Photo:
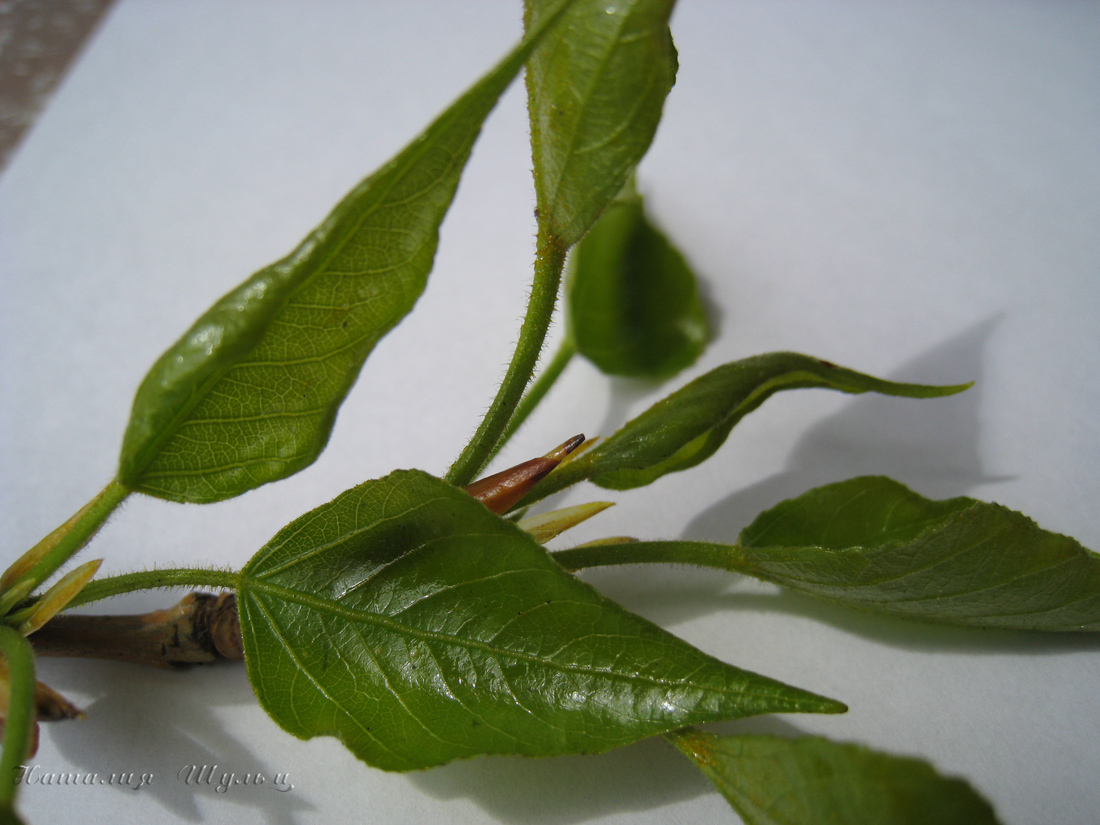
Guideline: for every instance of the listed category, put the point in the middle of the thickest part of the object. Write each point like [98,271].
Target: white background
[909,189]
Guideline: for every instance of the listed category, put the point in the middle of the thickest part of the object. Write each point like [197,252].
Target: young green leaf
[687,427]
[406,619]
[633,308]
[596,87]
[872,542]
[770,780]
[250,393]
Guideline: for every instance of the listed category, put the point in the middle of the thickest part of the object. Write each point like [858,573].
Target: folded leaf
[250,393]
[631,297]
[18,726]
[596,86]
[406,619]
[770,780]
[687,427]
[872,542]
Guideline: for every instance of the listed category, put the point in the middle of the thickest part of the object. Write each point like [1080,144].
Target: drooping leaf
[596,86]
[406,619]
[872,542]
[250,393]
[633,307]
[770,780]
[687,427]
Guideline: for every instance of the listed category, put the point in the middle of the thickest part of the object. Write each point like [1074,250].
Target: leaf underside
[633,307]
[771,780]
[871,542]
[596,87]
[250,393]
[406,619]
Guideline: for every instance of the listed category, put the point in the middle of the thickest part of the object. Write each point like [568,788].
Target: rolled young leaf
[687,427]
[770,780]
[871,542]
[596,86]
[633,308]
[406,619]
[250,393]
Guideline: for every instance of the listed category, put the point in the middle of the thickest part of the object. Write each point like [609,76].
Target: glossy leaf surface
[406,619]
[250,393]
[596,87]
[872,542]
[770,780]
[631,297]
[687,427]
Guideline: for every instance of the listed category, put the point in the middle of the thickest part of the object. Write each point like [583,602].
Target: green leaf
[18,722]
[406,619]
[596,87]
[249,394]
[770,780]
[873,543]
[687,427]
[631,297]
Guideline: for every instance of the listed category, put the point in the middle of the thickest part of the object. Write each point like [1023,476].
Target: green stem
[44,559]
[149,579]
[549,261]
[698,553]
[21,714]
[537,391]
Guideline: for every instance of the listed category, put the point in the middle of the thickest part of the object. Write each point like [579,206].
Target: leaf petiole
[538,390]
[151,579]
[549,262]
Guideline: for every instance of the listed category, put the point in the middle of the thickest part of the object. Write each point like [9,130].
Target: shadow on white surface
[160,722]
[931,445]
[569,789]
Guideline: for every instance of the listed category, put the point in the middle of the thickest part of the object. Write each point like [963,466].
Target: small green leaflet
[596,87]
[250,393]
[406,619]
[872,542]
[633,308]
[770,780]
[687,427]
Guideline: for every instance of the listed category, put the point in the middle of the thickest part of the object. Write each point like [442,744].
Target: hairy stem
[549,261]
[43,560]
[149,579]
[20,716]
[537,391]
[698,553]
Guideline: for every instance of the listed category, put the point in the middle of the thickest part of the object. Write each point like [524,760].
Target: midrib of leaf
[584,100]
[386,623]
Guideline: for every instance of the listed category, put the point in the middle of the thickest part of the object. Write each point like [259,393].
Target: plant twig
[549,261]
[537,391]
[201,628]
